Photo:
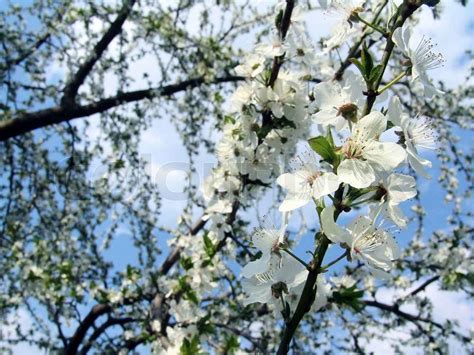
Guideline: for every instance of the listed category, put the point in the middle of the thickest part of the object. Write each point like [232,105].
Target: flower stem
[395,80]
[302,262]
[325,267]
[371,25]
[360,202]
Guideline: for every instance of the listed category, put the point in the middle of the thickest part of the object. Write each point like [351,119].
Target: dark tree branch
[81,331]
[27,122]
[25,54]
[420,288]
[310,288]
[72,86]
[282,31]
[395,309]
[100,330]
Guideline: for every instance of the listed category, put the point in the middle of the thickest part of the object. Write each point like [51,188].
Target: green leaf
[231,344]
[330,138]
[375,73]
[186,263]
[229,119]
[204,326]
[358,64]
[278,19]
[190,347]
[324,148]
[350,297]
[367,60]
[188,293]
[209,247]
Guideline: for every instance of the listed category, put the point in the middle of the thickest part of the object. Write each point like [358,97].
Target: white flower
[345,10]
[344,281]
[279,281]
[365,155]
[338,104]
[422,58]
[306,183]
[323,291]
[253,65]
[241,97]
[301,50]
[397,188]
[373,246]
[268,241]
[275,49]
[416,133]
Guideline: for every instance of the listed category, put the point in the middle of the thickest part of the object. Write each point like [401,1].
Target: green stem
[325,267]
[310,287]
[371,25]
[404,11]
[360,202]
[395,80]
[302,262]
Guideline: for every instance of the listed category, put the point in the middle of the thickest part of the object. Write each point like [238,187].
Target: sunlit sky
[453,33]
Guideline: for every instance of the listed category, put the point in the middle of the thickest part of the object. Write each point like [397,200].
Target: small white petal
[255,267]
[357,173]
[394,112]
[294,201]
[291,182]
[325,184]
[387,155]
[334,232]
[370,126]
[401,187]
[394,213]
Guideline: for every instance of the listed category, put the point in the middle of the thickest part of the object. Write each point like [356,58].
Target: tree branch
[412,318]
[98,332]
[25,54]
[29,121]
[81,331]
[72,87]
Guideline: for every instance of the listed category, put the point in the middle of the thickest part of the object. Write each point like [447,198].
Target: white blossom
[337,105]
[253,65]
[396,188]
[269,242]
[421,58]
[307,182]
[270,286]
[274,49]
[416,133]
[365,156]
[373,246]
[345,11]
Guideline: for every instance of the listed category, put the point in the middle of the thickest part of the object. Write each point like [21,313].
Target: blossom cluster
[361,157]
[356,161]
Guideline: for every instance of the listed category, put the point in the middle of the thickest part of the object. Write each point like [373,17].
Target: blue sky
[163,149]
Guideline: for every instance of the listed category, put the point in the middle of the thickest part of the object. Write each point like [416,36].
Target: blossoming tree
[337,132]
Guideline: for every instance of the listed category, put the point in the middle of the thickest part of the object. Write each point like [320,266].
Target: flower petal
[291,182]
[294,201]
[256,267]
[400,187]
[395,113]
[357,173]
[334,232]
[395,214]
[370,127]
[325,184]
[387,155]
